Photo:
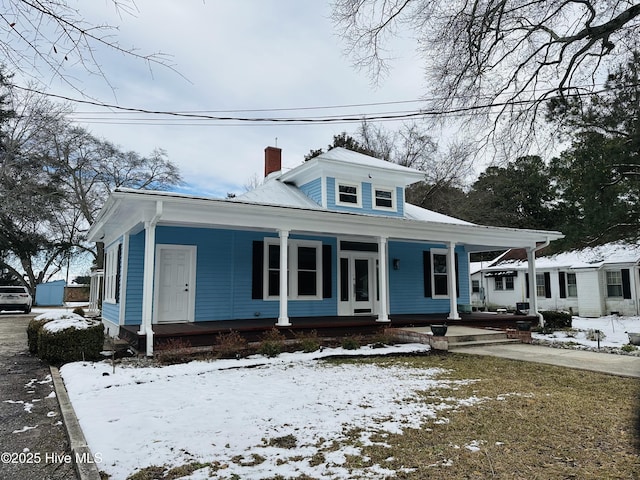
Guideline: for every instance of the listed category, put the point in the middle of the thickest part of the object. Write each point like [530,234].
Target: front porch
[201,334]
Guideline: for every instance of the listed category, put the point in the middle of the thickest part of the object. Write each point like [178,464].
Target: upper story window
[348,194]
[383,198]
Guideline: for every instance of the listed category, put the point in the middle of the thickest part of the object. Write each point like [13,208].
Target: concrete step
[481,343]
[485,337]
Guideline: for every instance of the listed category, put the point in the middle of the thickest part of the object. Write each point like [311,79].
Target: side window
[383,198]
[112,273]
[499,285]
[348,194]
[440,274]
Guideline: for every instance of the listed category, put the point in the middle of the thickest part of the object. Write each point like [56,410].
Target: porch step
[486,338]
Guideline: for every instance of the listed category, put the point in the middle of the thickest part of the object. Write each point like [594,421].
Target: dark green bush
[308,341]
[351,343]
[272,343]
[554,320]
[32,333]
[79,311]
[71,344]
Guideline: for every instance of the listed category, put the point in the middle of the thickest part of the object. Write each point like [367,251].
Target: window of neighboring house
[508,283]
[614,284]
[440,273]
[499,285]
[475,286]
[112,274]
[572,285]
[540,285]
[304,276]
[383,198]
[348,194]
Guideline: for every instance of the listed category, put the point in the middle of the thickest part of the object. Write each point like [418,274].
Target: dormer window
[383,199]
[348,194]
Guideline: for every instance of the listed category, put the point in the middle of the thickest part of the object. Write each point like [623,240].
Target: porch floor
[205,333]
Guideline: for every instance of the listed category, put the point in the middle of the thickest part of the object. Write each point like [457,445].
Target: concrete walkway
[622,365]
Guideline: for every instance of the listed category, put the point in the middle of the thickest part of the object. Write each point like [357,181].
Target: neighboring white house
[590,282]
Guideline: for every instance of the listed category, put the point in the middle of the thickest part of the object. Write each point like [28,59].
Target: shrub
[628,348]
[308,341]
[230,345]
[33,329]
[554,320]
[593,334]
[272,343]
[70,339]
[174,350]
[351,343]
[79,311]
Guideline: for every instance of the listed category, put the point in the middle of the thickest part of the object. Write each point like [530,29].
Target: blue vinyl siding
[223,275]
[313,190]
[111,312]
[406,285]
[135,275]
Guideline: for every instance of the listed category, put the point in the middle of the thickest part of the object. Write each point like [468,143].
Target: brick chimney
[272,160]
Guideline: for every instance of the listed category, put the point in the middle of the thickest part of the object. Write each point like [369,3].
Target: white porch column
[453,294]
[383,262]
[148,276]
[283,319]
[147,283]
[533,285]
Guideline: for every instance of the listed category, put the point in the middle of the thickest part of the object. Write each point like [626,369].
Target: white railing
[95,292]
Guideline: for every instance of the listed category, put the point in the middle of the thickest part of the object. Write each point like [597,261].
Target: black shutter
[457,277]
[526,279]
[626,284]
[563,284]
[257,278]
[426,265]
[118,273]
[547,285]
[327,271]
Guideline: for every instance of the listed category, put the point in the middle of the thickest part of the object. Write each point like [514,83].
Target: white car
[15,298]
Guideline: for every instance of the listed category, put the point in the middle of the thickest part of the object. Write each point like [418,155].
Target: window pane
[440,285]
[274,283]
[348,193]
[499,285]
[307,283]
[475,286]
[508,283]
[572,285]
[440,264]
[306,258]
[384,198]
[614,284]
[274,256]
[344,279]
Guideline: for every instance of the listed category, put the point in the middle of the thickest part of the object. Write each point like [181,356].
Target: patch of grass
[537,422]
[152,472]
[286,441]
[155,472]
[252,461]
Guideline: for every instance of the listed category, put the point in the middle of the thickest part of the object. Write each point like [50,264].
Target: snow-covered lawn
[582,334]
[257,417]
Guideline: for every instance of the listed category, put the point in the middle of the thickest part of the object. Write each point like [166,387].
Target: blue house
[338,225]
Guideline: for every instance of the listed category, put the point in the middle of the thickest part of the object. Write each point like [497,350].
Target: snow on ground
[254,417]
[613,327]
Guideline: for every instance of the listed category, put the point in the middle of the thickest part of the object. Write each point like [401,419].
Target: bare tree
[497,61]
[47,39]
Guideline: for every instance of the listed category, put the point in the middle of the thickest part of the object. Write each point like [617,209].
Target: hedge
[70,339]
[554,320]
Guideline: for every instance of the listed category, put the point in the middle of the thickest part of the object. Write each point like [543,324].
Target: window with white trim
[304,272]
[614,283]
[541,290]
[383,198]
[440,269]
[499,285]
[572,285]
[112,273]
[348,194]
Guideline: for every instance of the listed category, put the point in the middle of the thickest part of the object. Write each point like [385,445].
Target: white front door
[175,283]
[358,288]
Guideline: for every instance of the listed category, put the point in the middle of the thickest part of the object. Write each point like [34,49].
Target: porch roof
[127,211]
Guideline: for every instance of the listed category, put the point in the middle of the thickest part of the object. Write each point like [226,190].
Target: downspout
[532,281]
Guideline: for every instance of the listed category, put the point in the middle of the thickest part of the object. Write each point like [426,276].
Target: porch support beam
[383,261]
[533,284]
[283,319]
[453,294]
[147,278]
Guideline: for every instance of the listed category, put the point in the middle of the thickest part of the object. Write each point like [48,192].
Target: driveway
[33,441]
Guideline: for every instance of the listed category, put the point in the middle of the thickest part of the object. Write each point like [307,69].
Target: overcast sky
[233,55]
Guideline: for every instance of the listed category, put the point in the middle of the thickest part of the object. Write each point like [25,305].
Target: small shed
[50,294]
